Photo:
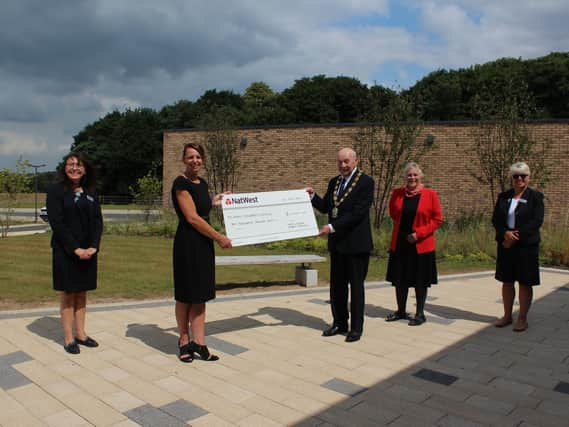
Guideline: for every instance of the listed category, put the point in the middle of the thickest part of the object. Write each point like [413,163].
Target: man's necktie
[342,185]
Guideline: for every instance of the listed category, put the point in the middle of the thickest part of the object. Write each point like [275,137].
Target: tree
[148,193]
[12,183]
[221,142]
[502,137]
[125,146]
[385,143]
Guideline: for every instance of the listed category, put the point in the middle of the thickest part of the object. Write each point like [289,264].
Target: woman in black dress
[416,214]
[75,218]
[194,257]
[517,217]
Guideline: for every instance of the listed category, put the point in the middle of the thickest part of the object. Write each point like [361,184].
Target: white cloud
[78,62]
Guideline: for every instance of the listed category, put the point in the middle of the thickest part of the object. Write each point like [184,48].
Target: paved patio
[277,369]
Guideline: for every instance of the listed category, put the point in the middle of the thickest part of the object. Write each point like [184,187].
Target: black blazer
[352,231]
[529,216]
[73,226]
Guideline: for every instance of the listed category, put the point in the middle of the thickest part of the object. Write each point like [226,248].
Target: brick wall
[280,158]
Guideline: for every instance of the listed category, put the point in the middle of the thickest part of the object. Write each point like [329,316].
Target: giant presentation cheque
[267,217]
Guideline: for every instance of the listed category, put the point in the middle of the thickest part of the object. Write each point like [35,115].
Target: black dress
[194,256]
[406,267]
[76,222]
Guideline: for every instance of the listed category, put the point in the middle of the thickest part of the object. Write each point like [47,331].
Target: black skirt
[407,268]
[70,274]
[518,264]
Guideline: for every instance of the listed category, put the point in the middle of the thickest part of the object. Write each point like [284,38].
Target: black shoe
[72,348]
[417,320]
[334,330]
[203,352]
[397,316]
[87,342]
[186,354]
[353,336]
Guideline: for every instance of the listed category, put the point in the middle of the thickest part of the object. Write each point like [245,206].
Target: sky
[67,63]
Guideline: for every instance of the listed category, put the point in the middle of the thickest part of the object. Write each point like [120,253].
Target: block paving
[276,369]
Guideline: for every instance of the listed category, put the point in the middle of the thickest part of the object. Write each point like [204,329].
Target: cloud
[65,64]
[13,143]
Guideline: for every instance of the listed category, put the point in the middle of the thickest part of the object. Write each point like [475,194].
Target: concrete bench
[304,273]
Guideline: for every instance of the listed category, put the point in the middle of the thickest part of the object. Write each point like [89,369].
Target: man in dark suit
[347,202]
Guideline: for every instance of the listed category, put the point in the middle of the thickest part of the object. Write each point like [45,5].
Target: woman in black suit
[75,218]
[517,217]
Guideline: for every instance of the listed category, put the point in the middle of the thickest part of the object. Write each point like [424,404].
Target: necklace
[347,192]
[195,180]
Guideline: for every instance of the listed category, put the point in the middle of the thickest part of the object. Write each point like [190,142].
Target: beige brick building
[289,157]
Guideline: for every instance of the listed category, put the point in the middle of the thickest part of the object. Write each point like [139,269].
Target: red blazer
[428,218]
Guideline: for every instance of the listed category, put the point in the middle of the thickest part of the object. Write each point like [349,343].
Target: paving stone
[149,416]
[463,410]
[372,411]
[122,401]
[454,421]
[257,420]
[512,386]
[318,301]
[562,387]
[211,420]
[344,387]
[494,405]
[533,417]
[406,393]
[13,358]
[65,418]
[184,410]
[435,376]
[10,378]
[225,346]
[342,418]
[37,401]
[557,408]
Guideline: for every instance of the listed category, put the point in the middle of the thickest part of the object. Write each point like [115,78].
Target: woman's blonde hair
[412,165]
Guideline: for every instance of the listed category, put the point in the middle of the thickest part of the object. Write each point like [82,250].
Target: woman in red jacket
[416,214]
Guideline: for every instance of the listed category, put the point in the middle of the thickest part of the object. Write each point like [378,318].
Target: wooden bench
[304,273]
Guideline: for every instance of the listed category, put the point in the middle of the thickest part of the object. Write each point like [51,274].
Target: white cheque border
[252,218]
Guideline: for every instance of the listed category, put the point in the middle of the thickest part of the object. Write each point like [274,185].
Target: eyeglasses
[74,165]
[518,176]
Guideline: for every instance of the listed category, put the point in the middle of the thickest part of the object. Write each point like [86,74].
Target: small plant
[12,182]
[147,193]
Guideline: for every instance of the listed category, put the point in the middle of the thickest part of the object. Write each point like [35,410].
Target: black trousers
[348,270]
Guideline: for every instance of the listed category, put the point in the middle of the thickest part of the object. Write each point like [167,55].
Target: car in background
[43,213]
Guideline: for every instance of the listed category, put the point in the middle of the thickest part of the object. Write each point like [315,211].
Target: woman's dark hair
[88,181]
[198,147]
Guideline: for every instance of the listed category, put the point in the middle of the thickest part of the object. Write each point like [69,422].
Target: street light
[36,167]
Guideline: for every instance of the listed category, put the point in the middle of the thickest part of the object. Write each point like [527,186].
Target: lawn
[137,267]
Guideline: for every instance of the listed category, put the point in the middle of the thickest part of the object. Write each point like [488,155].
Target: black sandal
[396,316]
[203,352]
[186,355]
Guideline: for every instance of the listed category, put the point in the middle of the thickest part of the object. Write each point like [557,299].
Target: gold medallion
[334,212]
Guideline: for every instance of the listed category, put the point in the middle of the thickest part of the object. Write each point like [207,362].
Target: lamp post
[36,167]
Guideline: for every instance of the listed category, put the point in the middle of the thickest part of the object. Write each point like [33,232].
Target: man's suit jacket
[529,216]
[352,230]
[427,219]
[73,228]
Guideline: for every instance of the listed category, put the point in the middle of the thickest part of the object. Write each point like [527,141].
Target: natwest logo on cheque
[241,200]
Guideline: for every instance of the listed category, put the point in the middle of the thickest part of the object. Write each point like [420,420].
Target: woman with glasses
[517,217]
[75,218]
